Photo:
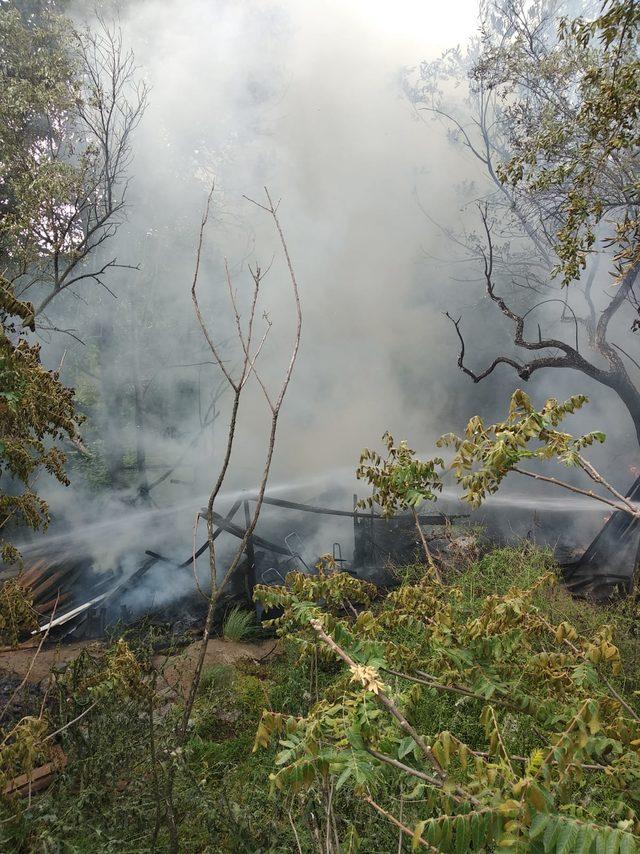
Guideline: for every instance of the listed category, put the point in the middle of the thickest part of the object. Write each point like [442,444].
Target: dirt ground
[21,661]
[177,669]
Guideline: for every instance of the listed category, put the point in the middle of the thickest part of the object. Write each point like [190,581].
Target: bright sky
[431,23]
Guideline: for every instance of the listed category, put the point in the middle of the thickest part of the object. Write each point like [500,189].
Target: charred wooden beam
[188,561]
[433,519]
[239,532]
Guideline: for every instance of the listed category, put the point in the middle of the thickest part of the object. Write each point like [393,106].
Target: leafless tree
[236,380]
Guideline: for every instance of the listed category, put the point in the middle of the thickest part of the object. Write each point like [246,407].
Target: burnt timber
[373,538]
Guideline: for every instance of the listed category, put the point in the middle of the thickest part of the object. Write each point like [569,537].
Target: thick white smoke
[304,97]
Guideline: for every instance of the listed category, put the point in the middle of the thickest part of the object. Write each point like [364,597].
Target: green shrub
[479,707]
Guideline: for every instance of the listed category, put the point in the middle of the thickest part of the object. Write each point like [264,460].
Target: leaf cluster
[399,481]
[575,787]
[36,412]
[574,109]
[486,454]
[17,614]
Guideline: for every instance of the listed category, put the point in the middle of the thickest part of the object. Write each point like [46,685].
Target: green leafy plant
[586,155]
[36,412]
[400,482]
[16,612]
[559,769]
[486,454]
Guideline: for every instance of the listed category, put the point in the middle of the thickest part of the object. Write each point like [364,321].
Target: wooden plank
[39,778]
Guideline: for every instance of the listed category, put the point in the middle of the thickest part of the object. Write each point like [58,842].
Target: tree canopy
[551,114]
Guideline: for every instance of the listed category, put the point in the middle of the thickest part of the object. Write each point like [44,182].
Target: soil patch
[19,660]
[178,670]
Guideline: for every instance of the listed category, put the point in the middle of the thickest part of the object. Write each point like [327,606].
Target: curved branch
[565,305]
[499,360]
[523,369]
[571,357]
[624,288]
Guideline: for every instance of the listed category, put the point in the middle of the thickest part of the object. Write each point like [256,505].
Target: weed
[238,625]
[214,677]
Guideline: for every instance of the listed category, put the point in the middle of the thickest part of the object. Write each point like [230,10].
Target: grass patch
[239,625]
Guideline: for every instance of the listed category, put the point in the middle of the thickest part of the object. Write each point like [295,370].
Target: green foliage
[36,411]
[533,684]
[68,105]
[16,612]
[214,677]
[399,481]
[575,130]
[39,93]
[487,453]
[478,636]
[39,90]
[23,748]
[239,625]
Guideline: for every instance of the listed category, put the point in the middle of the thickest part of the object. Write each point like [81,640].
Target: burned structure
[609,564]
[74,601]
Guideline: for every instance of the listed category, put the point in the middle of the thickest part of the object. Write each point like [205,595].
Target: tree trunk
[630,396]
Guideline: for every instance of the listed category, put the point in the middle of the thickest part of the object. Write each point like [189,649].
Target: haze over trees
[281,702]
[552,118]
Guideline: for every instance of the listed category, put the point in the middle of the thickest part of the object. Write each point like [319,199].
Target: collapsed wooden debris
[69,615]
[608,564]
[50,581]
[40,778]
[53,582]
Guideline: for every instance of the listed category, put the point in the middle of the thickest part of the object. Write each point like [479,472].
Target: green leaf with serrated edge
[462,827]
[584,842]
[628,844]
[477,831]
[433,832]
[566,839]
[406,746]
[612,843]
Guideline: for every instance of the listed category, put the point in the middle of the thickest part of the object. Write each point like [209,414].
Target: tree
[69,103]
[552,116]
[236,379]
[36,410]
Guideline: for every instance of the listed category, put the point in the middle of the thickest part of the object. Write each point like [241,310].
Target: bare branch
[237,386]
[625,507]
